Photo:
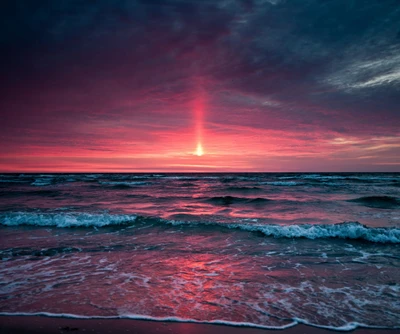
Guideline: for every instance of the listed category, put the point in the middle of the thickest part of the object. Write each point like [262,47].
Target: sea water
[267,250]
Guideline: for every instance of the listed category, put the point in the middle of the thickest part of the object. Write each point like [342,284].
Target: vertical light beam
[199,103]
[199,151]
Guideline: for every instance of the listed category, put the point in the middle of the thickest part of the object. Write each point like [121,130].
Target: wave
[343,177]
[347,230]
[350,326]
[75,219]
[41,183]
[123,184]
[51,179]
[322,177]
[381,202]
[228,200]
[282,183]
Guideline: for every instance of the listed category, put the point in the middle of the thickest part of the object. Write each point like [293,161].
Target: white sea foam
[281,183]
[344,231]
[148,317]
[42,182]
[350,230]
[75,219]
[323,177]
[294,321]
[124,183]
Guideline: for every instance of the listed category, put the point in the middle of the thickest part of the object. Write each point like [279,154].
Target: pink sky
[113,88]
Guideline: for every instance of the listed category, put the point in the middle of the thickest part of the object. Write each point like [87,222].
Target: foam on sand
[293,322]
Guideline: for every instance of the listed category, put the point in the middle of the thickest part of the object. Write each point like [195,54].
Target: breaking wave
[76,219]
[350,230]
[347,230]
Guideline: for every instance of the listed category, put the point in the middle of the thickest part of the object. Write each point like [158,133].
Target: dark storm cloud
[322,55]
[143,46]
[263,47]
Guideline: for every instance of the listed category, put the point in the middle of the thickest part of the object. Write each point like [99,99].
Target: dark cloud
[296,65]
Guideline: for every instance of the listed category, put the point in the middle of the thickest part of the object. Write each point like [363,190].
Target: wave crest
[347,230]
[75,219]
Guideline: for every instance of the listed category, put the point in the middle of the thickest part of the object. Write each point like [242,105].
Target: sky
[200,85]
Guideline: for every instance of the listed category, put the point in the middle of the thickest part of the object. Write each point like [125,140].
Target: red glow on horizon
[189,132]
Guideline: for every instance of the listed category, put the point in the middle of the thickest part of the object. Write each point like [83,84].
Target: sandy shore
[44,325]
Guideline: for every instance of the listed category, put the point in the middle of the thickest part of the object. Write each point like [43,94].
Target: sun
[199,150]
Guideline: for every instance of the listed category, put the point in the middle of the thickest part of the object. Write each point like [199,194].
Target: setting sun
[199,150]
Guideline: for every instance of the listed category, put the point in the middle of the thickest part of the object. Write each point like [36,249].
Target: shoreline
[19,324]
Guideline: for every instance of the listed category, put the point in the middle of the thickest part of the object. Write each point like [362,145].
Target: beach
[49,325]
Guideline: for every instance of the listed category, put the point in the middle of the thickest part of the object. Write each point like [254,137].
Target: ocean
[268,250]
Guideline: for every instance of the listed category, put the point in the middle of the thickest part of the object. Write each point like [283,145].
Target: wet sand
[47,325]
